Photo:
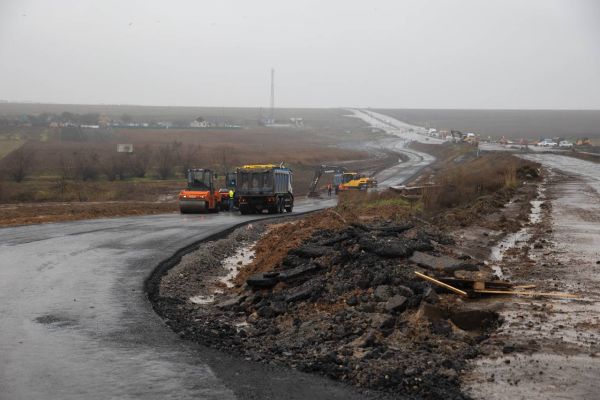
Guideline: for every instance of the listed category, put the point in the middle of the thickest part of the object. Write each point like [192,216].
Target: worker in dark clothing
[329,190]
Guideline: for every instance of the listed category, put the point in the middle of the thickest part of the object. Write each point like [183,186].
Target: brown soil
[25,214]
[281,238]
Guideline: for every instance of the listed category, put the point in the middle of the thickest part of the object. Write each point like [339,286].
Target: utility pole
[272,115]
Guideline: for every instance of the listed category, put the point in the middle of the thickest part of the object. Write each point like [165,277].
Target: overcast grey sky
[327,53]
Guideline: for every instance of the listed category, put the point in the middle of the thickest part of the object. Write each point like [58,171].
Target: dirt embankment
[36,213]
[336,293]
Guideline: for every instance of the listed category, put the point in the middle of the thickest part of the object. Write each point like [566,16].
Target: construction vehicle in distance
[583,142]
[469,137]
[356,181]
[264,187]
[201,194]
[319,172]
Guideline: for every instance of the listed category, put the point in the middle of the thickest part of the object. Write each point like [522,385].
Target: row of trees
[44,119]
[165,161]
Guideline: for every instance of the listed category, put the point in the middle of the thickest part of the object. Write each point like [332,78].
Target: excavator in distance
[319,172]
[342,180]
[201,195]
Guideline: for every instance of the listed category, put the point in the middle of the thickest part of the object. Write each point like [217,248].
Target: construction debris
[474,289]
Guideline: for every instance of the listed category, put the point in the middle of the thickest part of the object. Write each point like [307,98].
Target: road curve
[400,135]
[76,323]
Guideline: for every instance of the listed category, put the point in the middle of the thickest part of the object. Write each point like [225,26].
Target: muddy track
[548,348]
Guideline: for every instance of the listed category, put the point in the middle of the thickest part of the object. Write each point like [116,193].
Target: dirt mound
[343,302]
[273,248]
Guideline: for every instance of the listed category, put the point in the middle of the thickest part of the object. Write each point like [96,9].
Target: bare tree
[86,165]
[139,162]
[225,156]
[19,163]
[65,173]
[114,166]
[189,157]
[166,158]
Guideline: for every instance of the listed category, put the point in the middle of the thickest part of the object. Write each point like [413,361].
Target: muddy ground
[548,348]
[36,213]
[343,300]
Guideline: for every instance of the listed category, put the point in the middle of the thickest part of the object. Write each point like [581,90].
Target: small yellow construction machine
[201,195]
[356,181]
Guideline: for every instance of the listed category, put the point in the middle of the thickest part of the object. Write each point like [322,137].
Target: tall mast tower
[272,112]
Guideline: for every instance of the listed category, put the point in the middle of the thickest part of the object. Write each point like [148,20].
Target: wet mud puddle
[519,238]
[231,266]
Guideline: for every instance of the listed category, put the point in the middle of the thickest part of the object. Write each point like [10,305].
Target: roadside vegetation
[92,170]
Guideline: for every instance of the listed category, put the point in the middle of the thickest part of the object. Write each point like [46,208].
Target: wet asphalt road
[76,323]
[586,169]
[401,134]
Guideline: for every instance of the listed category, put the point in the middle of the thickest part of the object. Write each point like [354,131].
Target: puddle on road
[55,320]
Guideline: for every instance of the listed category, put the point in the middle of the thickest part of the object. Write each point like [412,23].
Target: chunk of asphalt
[382,321]
[297,272]
[382,293]
[443,263]
[302,292]
[394,229]
[310,251]
[396,304]
[365,340]
[394,250]
[262,280]
[230,303]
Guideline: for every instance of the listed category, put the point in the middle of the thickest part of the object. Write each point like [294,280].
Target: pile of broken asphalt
[347,304]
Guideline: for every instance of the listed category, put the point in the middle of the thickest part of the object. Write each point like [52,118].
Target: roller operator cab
[264,187]
[356,181]
[200,195]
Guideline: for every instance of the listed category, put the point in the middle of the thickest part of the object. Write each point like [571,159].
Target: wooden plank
[469,284]
[441,284]
[525,286]
[523,293]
